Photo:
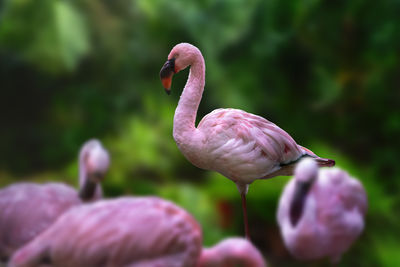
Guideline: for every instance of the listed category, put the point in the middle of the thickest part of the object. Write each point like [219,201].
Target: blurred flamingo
[127,231]
[321,212]
[241,146]
[94,161]
[232,252]
[26,209]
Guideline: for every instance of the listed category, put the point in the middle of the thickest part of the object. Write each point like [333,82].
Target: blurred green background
[328,72]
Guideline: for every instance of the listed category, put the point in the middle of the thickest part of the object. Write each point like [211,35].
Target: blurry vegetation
[327,72]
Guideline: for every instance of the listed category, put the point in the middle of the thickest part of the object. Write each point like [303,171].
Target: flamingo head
[96,160]
[306,171]
[180,57]
[305,174]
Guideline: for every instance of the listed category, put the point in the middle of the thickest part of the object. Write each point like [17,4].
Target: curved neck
[185,113]
[298,201]
[88,190]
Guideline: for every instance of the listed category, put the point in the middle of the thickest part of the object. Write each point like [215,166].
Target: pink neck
[82,172]
[185,113]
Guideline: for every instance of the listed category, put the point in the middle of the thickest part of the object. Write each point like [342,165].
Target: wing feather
[232,125]
[242,144]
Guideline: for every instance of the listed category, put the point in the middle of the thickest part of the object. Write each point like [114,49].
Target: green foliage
[325,71]
[51,34]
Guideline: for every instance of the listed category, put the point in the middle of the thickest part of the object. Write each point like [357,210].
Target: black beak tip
[168,91]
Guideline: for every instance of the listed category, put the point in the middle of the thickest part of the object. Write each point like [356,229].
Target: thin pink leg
[246,225]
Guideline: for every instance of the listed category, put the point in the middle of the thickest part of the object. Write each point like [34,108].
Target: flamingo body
[331,216]
[244,147]
[27,209]
[143,231]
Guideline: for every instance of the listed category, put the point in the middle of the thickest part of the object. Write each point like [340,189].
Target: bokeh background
[328,72]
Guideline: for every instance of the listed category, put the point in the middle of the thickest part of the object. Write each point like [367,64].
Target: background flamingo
[142,231]
[232,252]
[26,209]
[241,146]
[93,164]
[321,212]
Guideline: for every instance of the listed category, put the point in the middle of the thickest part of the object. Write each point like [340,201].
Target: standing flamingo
[27,209]
[321,213]
[128,231]
[241,146]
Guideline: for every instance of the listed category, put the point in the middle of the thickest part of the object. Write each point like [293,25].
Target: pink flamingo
[127,231]
[94,161]
[241,146]
[27,209]
[232,252]
[321,213]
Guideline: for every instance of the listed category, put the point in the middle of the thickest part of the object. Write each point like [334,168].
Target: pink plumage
[232,252]
[128,231]
[27,209]
[142,231]
[321,212]
[244,146]
[239,145]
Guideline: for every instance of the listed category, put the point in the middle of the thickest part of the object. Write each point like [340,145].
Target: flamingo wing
[241,144]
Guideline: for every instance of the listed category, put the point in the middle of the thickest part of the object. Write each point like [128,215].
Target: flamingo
[94,161]
[321,212]
[126,231]
[131,231]
[241,146]
[232,252]
[27,209]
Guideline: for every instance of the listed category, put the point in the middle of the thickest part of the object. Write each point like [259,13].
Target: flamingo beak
[326,163]
[166,73]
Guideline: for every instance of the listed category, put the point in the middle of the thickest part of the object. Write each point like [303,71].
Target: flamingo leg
[246,225]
